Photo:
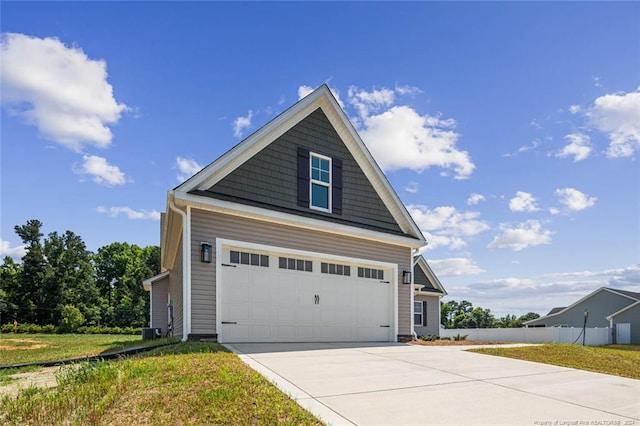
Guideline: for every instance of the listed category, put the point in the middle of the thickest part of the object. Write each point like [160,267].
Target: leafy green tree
[72,274]
[10,273]
[35,302]
[71,320]
[120,270]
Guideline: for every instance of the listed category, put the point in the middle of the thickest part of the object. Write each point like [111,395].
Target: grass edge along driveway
[617,360]
[197,383]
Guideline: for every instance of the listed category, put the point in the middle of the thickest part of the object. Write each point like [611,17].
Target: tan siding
[159,291]
[433,316]
[206,226]
[175,289]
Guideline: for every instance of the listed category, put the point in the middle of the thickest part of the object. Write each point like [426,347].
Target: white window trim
[421,313]
[319,182]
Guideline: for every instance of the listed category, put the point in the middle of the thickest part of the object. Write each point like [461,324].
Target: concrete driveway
[398,384]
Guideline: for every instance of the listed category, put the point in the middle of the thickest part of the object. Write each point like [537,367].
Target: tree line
[463,315]
[58,272]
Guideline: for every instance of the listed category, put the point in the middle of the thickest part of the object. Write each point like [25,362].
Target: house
[604,307]
[293,235]
[625,324]
[426,299]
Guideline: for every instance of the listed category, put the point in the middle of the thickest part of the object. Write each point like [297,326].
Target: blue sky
[510,130]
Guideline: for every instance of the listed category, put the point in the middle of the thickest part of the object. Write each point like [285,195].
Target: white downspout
[186,273]
[412,263]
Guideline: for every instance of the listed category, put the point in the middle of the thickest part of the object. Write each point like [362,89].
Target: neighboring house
[603,307]
[626,324]
[426,305]
[294,235]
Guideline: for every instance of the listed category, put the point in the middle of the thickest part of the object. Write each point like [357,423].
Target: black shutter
[336,186]
[424,312]
[303,177]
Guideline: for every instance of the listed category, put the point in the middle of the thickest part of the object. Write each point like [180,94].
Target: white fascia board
[422,263]
[320,98]
[266,215]
[149,281]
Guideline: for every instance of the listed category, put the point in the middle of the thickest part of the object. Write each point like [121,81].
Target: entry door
[623,333]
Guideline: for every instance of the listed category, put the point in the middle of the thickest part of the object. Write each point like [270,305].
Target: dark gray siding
[269,179]
[159,315]
[207,226]
[600,305]
[631,316]
[419,277]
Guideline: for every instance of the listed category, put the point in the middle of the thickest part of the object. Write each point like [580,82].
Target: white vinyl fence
[593,336]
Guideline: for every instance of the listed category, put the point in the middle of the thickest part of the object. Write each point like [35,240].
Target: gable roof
[438,288]
[319,98]
[626,308]
[629,294]
[556,310]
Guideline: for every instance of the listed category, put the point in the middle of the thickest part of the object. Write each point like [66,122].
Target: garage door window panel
[295,264]
[245,258]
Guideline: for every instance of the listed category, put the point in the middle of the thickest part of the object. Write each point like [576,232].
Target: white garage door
[273,297]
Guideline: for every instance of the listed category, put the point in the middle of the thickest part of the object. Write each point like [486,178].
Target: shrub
[429,337]
[460,336]
[48,329]
[72,319]
[7,328]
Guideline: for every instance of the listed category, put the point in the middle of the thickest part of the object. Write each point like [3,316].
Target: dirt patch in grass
[27,378]
[25,347]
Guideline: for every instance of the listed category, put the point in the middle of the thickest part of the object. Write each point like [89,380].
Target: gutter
[186,271]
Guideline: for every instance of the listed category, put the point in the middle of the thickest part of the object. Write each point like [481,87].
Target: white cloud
[445,226]
[523,202]
[475,199]
[14,252]
[574,200]
[129,213]
[454,267]
[242,123]
[527,234]
[407,90]
[103,173]
[434,241]
[618,115]
[186,168]
[367,102]
[524,148]
[579,147]
[305,90]
[58,89]
[400,138]
[412,187]
[574,109]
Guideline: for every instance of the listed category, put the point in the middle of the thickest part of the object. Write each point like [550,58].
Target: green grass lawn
[23,348]
[617,360]
[187,383]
